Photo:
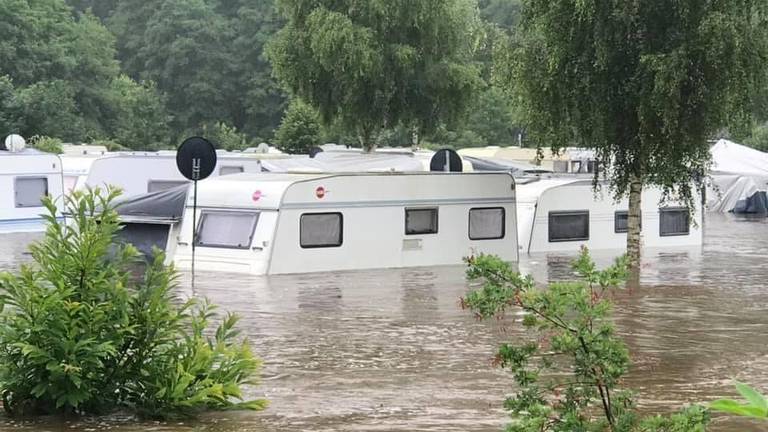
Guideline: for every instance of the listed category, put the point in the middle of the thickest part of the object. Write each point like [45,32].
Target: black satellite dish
[314,151]
[446,160]
[196,158]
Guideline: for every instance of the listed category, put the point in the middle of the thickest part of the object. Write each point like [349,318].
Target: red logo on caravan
[257,195]
[320,192]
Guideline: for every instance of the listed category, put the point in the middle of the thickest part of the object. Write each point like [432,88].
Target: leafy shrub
[756,405]
[83,331]
[568,372]
[46,144]
[299,130]
[226,137]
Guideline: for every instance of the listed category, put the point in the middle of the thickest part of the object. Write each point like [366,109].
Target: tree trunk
[634,235]
[366,143]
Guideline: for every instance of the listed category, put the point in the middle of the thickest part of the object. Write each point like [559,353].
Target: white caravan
[25,177]
[141,173]
[300,223]
[564,214]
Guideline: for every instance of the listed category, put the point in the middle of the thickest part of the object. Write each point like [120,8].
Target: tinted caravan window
[227,229]
[145,237]
[29,191]
[321,230]
[674,222]
[161,185]
[621,222]
[227,170]
[421,221]
[568,226]
[486,223]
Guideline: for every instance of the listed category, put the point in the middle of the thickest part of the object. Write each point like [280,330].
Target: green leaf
[753,397]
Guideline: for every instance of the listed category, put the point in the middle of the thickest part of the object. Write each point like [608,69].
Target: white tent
[739,179]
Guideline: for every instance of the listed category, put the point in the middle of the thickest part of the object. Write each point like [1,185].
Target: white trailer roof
[273,191]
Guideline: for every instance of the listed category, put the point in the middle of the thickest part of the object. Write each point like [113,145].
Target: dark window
[420,221]
[486,223]
[224,229]
[145,237]
[227,170]
[674,222]
[161,185]
[621,222]
[568,226]
[29,191]
[321,230]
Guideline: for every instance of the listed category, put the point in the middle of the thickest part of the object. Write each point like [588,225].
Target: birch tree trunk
[634,235]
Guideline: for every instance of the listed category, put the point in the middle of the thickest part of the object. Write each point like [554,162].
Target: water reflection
[391,349]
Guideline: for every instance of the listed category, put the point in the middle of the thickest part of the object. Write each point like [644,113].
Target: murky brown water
[390,350]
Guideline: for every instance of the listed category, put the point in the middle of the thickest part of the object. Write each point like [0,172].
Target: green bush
[299,130]
[46,144]
[568,372]
[84,330]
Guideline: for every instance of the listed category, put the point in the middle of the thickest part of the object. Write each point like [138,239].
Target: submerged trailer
[562,214]
[142,173]
[26,176]
[294,223]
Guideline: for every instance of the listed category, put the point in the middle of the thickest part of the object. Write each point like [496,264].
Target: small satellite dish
[314,152]
[446,160]
[196,158]
[14,143]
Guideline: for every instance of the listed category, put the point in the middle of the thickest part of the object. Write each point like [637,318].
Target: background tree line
[145,73]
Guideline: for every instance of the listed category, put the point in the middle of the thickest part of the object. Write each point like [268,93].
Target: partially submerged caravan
[298,223]
[26,176]
[563,214]
[141,173]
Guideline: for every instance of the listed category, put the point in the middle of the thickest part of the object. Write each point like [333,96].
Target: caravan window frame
[554,214]
[40,199]
[435,210]
[340,241]
[201,222]
[503,223]
[684,210]
[227,167]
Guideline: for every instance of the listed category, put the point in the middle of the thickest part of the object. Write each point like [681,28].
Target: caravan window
[321,230]
[486,223]
[568,226]
[29,191]
[227,170]
[674,222]
[421,221]
[226,229]
[621,222]
[161,185]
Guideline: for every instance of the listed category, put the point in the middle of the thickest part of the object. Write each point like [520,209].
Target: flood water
[390,350]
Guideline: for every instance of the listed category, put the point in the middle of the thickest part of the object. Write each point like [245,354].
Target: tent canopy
[739,179]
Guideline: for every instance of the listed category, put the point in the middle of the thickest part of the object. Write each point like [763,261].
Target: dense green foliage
[82,332]
[756,405]
[300,129]
[378,64]
[568,373]
[46,144]
[644,84]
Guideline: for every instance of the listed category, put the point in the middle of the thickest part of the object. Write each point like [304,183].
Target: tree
[61,66]
[300,129]
[379,63]
[645,84]
[142,121]
[569,364]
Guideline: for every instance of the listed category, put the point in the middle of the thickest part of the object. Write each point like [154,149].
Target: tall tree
[378,63]
[644,83]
